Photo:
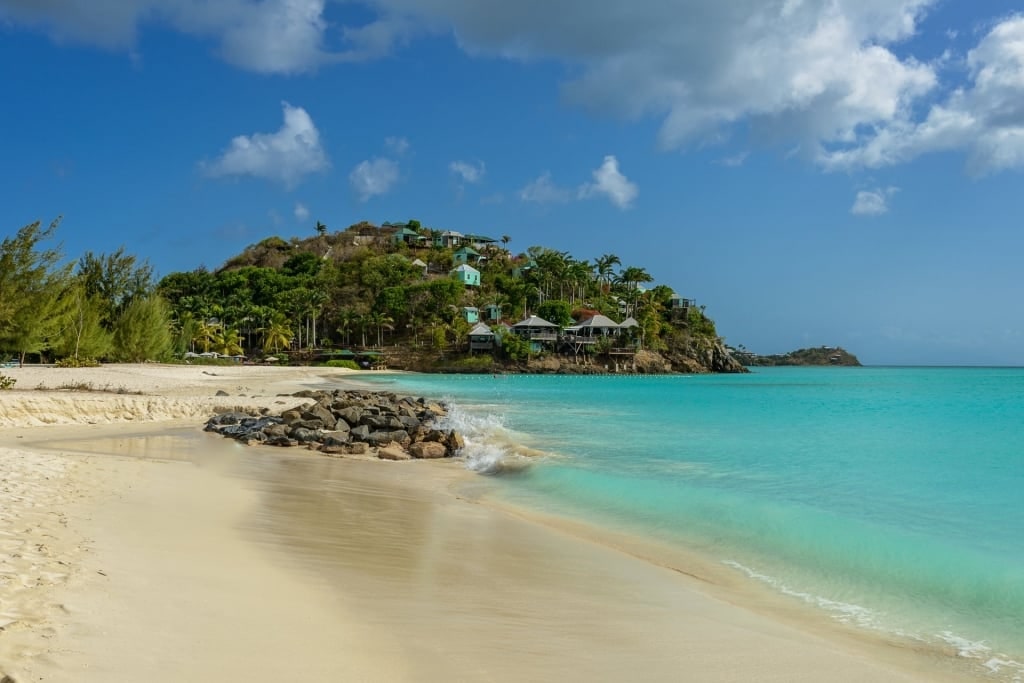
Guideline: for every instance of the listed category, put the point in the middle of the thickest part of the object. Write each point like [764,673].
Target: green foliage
[71,362]
[32,289]
[143,331]
[7,382]
[303,263]
[556,311]
[515,348]
[82,334]
[477,363]
[113,281]
[349,364]
[699,324]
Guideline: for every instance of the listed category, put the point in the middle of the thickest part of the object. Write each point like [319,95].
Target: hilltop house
[492,312]
[448,239]
[471,314]
[410,237]
[466,274]
[467,254]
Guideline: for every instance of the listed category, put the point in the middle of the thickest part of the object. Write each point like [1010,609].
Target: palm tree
[277,334]
[604,265]
[321,229]
[631,278]
[505,239]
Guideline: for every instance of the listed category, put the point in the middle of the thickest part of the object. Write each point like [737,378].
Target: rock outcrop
[348,422]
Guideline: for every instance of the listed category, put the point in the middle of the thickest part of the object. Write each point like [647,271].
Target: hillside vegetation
[385,293]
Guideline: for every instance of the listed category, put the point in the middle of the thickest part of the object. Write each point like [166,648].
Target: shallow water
[889,498]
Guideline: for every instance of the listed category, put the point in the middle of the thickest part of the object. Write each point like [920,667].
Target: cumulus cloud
[985,118]
[373,177]
[301,212]
[872,202]
[468,172]
[609,181]
[285,156]
[544,191]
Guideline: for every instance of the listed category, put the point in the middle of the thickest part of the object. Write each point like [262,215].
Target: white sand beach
[133,547]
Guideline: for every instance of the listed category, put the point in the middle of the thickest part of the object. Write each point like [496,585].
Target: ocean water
[891,499]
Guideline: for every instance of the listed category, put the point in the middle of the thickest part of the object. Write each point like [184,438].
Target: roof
[534,321]
[451,233]
[468,250]
[465,268]
[480,330]
[629,322]
[481,238]
[470,308]
[599,321]
[418,262]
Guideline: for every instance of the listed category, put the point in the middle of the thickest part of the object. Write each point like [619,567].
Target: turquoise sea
[891,499]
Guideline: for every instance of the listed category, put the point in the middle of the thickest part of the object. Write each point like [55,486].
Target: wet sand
[199,559]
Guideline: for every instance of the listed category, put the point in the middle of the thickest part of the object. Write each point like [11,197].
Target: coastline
[219,562]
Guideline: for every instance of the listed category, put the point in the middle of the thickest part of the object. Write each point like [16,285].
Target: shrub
[7,382]
[349,364]
[71,362]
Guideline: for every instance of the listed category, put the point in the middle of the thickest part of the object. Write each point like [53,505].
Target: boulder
[382,437]
[455,442]
[360,433]
[351,415]
[293,415]
[358,448]
[392,453]
[303,435]
[428,450]
[318,411]
[335,438]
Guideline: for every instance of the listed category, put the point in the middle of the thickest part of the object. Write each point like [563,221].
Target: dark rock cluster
[348,422]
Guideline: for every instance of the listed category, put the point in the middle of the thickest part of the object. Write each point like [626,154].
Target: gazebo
[536,330]
[481,338]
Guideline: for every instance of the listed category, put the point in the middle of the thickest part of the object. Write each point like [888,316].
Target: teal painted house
[471,314]
[467,275]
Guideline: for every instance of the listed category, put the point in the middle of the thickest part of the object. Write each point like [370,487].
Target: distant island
[821,355]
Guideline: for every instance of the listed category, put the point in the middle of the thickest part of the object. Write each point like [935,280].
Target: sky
[814,172]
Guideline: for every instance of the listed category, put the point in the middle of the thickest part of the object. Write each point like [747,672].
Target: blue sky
[838,172]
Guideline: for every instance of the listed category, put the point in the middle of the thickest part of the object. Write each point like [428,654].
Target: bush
[349,364]
[71,362]
[7,382]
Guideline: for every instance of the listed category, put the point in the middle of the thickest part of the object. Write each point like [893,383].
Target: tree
[82,333]
[114,281]
[556,311]
[277,335]
[32,289]
[321,229]
[143,331]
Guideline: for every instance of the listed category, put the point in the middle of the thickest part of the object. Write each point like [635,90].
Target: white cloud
[811,70]
[269,36]
[468,172]
[985,118]
[609,181]
[544,191]
[872,202]
[301,212]
[285,156]
[396,145]
[373,177]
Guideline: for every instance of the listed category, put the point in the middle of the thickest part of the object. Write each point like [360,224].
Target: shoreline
[433,562]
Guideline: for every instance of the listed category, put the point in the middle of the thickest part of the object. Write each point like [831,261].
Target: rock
[392,453]
[358,448]
[360,433]
[303,435]
[308,424]
[221,392]
[333,450]
[428,450]
[352,415]
[335,438]
[382,437]
[281,441]
[293,415]
[455,442]
[319,412]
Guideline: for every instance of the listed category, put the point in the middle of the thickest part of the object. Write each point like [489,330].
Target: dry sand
[135,548]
